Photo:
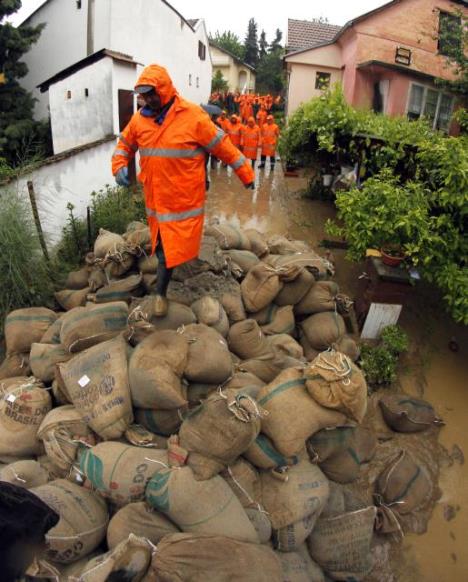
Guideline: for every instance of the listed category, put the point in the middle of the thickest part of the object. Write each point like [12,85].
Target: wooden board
[379,316]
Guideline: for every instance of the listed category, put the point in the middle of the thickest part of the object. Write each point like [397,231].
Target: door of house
[125,113]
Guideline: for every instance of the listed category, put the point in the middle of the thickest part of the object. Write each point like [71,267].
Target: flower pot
[392,256]
[327,179]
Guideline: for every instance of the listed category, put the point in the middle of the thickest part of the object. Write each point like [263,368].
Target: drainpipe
[90,29]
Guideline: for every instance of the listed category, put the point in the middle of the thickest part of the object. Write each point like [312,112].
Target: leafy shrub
[395,339]
[25,277]
[380,362]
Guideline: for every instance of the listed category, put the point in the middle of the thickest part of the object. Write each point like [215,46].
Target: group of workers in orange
[250,136]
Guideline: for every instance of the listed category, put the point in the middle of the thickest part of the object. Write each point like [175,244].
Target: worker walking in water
[172,136]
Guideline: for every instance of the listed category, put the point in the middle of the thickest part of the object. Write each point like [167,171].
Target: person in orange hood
[269,133]
[261,116]
[234,130]
[172,136]
[250,140]
[222,121]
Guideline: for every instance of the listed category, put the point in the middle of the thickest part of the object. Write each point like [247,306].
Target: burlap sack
[320,267]
[346,345]
[280,245]
[177,315]
[404,413]
[60,394]
[335,382]
[323,329]
[208,358]
[148,264]
[259,519]
[84,327]
[129,560]
[107,242]
[245,260]
[217,510]
[293,291]
[268,366]
[320,297]
[341,545]
[197,392]
[60,431]
[52,335]
[244,480]
[15,365]
[258,244]
[138,237]
[340,452]
[78,279]
[293,415]
[43,358]
[404,484]
[212,558]
[96,381]
[97,279]
[209,311]
[260,286]
[25,474]
[310,353]
[155,371]
[294,493]
[218,431]
[23,406]
[139,519]
[118,264]
[70,298]
[83,520]
[282,322]
[228,236]
[23,327]
[246,340]
[284,344]
[243,381]
[290,537]
[298,566]
[121,290]
[234,307]
[265,315]
[119,471]
[263,454]
[149,282]
[162,422]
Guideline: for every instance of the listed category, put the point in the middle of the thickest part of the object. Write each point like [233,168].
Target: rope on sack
[17,477]
[343,369]
[78,535]
[386,508]
[159,463]
[249,499]
[238,410]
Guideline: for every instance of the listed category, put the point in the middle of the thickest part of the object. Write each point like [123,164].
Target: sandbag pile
[217,432]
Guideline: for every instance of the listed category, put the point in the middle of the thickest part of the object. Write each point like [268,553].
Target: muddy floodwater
[436,368]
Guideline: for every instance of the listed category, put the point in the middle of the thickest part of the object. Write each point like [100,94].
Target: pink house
[387,59]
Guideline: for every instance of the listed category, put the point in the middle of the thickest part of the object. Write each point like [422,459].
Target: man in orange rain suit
[250,140]
[269,135]
[234,130]
[261,116]
[223,121]
[172,136]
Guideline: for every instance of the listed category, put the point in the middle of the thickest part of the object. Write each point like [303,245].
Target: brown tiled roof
[304,34]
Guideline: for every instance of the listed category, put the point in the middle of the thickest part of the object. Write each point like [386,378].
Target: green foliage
[112,208]
[276,44]
[262,45]
[251,44]
[453,44]
[20,136]
[218,82]
[270,74]
[383,212]
[230,42]
[416,197]
[25,278]
[379,363]
[461,117]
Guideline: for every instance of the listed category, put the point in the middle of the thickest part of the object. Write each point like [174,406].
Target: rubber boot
[263,160]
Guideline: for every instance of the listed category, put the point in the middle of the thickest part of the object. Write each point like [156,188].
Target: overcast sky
[234,14]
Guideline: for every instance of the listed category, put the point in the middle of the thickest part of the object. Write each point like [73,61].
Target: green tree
[270,74]
[275,46]
[262,45]
[21,138]
[230,42]
[218,82]
[452,41]
[251,44]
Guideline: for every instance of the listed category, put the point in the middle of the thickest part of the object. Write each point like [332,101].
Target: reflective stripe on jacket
[250,141]
[270,133]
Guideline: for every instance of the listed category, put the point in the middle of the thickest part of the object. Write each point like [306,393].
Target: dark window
[78,4]
[201,50]
[68,94]
[450,34]
[86,92]
[322,80]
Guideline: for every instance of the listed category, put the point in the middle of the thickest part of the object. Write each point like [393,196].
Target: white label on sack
[11,398]
[84,381]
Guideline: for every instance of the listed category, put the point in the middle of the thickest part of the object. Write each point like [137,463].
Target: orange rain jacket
[222,122]
[172,162]
[270,133]
[234,131]
[261,117]
[250,140]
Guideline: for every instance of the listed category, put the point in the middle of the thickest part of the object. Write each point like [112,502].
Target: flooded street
[431,370]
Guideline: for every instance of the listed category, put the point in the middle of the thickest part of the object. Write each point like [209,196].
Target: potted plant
[383,215]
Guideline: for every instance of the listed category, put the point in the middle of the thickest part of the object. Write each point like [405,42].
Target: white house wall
[62,43]
[123,77]
[69,180]
[80,120]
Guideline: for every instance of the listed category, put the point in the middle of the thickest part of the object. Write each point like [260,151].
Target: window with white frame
[434,105]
